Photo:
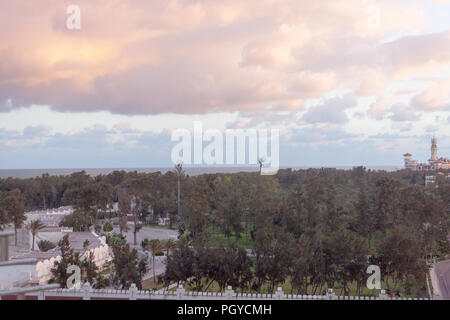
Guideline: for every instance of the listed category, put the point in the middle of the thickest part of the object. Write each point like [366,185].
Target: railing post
[21,296]
[41,295]
[87,291]
[229,293]
[331,295]
[279,295]
[132,292]
[383,295]
[180,292]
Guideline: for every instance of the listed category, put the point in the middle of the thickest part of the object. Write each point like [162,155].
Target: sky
[347,82]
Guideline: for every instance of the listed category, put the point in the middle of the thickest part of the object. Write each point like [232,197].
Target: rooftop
[76,240]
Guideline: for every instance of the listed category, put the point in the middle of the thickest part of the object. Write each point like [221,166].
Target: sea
[192,171]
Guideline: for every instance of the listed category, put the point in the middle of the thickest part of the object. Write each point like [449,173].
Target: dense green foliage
[315,228]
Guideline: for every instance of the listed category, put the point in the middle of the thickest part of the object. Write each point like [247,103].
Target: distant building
[409,162]
[164,221]
[51,219]
[430,180]
[35,266]
[434,163]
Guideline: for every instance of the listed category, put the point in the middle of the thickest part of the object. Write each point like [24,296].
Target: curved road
[150,233]
[441,279]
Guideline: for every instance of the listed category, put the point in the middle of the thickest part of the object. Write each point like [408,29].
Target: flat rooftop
[76,240]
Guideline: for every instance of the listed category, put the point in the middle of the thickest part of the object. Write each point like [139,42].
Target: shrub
[115,240]
[107,227]
[45,245]
[75,221]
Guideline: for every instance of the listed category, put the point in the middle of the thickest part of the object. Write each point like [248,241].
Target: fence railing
[88,293]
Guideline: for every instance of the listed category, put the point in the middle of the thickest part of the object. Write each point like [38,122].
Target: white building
[430,180]
[36,266]
[434,163]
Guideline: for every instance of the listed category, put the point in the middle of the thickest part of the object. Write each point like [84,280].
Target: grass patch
[245,240]
[287,289]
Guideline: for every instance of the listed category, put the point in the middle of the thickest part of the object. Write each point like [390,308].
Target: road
[149,233]
[440,276]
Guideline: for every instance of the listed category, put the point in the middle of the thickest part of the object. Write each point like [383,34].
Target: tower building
[434,152]
[434,163]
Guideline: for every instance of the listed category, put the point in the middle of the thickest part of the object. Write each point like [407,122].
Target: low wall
[87,293]
[15,275]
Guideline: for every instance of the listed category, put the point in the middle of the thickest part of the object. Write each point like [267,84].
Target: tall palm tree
[179,171]
[168,244]
[154,246]
[34,227]
[261,164]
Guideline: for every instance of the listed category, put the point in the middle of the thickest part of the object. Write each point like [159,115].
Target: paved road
[149,233]
[442,273]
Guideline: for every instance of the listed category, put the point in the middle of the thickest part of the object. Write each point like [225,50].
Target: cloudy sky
[347,82]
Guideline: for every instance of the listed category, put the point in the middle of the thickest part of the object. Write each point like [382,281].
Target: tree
[82,195]
[137,188]
[180,263]
[261,164]
[104,194]
[399,255]
[4,219]
[229,205]
[179,172]
[168,245]
[154,247]
[13,204]
[34,227]
[68,258]
[45,245]
[386,202]
[137,225]
[90,269]
[47,190]
[363,220]
[127,267]
[124,208]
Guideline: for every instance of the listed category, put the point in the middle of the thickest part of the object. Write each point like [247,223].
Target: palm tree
[179,171]
[154,246]
[168,244]
[34,227]
[261,163]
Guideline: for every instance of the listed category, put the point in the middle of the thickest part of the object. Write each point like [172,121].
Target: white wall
[16,275]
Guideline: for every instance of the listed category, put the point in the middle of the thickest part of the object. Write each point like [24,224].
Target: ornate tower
[434,154]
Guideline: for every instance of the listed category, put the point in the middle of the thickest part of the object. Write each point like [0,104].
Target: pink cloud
[122,126]
[436,96]
[180,56]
